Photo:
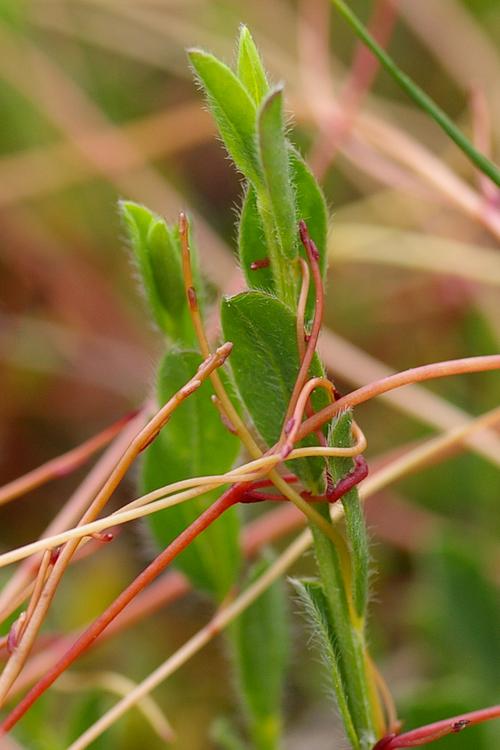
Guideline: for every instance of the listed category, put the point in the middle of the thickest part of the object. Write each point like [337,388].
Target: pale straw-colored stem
[387,475]
[139,443]
[169,496]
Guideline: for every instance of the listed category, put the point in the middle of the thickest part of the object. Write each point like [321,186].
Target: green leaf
[274,155]
[233,109]
[88,709]
[349,637]
[277,204]
[194,442]
[250,68]
[252,244]
[158,255]
[310,206]
[418,95]
[340,436]
[313,600]
[265,363]
[260,639]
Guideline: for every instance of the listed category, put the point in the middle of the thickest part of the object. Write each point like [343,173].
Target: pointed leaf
[250,68]
[340,436]
[265,363]
[260,638]
[274,156]
[158,255]
[194,442]
[313,599]
[233,109]
[310,206]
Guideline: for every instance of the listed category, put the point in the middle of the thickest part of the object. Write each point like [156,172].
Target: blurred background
[98,103]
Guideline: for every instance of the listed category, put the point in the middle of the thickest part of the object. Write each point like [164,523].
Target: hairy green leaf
[233,109]
[250,68]
[194,442]
[158,254]
[252,244]
[265,363]
[313,600]
[260,638]
[274,155]
[349,637]
[276,203]
[340,436]
[310,206]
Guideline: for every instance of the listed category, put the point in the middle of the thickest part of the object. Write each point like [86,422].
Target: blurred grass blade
[340,436]
[419,96]
[225,736]
[250,68]
[260,638]
[193,443]
[313,600]
[233,109]
[466,611]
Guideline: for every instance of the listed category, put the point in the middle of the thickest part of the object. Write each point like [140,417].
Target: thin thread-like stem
[406,377]
[313,257]
[399,468]
[138,444]
[220,621]
[18,586]
[226,403]
[437,730]
[173,494]
[143,579]
[301,308]
[192,299]
[121,686]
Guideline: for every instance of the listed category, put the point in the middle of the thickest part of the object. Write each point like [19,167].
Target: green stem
[419,96]
[349,635]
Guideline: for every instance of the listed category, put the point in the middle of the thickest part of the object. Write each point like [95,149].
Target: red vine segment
[437,730]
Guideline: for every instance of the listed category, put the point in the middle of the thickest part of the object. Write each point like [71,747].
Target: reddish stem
[431,732]
[334,493]
[397,380]
[313,257]
[229,498]
[350,480]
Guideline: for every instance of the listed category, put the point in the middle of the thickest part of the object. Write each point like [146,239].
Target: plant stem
[419,96]
[406,377]
[349,636]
